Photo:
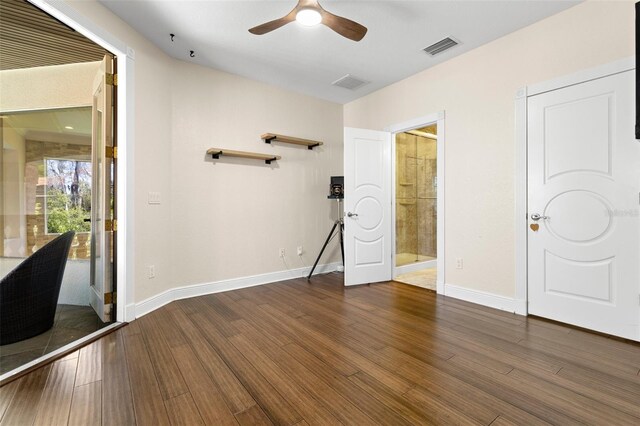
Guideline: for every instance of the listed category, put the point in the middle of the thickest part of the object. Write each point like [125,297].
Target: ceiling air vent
[349,82]
[441,46]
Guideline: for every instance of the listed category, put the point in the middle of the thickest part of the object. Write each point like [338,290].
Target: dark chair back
[29,293]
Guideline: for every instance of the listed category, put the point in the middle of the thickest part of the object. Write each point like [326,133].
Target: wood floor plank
[206,395]
[314,353]
[132,328]
[169,378]
[55,402]
[89,364]
[7,392]
[85,405]
[182,411]
[354,358]
[22,408]
[275,406]
[253,416]
[145,390]
[117,400]
[237,397]
[290,388]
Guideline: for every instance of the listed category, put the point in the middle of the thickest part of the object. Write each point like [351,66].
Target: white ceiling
[308,60]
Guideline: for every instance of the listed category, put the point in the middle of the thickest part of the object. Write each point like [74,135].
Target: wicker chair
[29,293]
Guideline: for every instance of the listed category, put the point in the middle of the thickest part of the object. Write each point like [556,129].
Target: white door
[367,206]
[101,277]
[584,182]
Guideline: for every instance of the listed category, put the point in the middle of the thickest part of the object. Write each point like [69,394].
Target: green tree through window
[68,195]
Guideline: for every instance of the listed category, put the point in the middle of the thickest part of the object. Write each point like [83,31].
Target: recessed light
[68,127]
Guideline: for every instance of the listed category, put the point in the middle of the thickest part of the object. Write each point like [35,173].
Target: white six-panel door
[584,182]
[367,206]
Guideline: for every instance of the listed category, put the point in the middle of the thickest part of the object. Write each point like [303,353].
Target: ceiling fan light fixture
[308,17]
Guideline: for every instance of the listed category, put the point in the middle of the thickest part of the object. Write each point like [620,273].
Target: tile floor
[425,278]
[408,258]
[71,323]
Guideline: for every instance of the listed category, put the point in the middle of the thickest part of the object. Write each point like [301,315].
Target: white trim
[495,301]
[582,76]
[521,161]
[520,186]
[416,123]
[412,267]
[76,343]
[439,119]
[177,293]
[125,132]
[440,204]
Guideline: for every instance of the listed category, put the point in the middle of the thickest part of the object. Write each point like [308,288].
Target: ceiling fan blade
[343,26]
[273,25]
[277,23]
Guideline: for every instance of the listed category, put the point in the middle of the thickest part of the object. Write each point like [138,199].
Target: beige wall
[477,92]
[225,219]
[58,86]
[230,217]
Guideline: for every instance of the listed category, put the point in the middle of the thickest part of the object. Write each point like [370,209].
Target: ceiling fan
[309,13]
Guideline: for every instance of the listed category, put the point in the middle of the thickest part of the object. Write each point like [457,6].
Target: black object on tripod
[336,192]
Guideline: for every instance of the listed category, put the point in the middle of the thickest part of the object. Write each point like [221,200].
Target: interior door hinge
[110,298]
[111,225]
[111,79]
[111,152]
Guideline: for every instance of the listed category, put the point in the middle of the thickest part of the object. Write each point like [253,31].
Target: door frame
[125,136]
[521,162]
[437,118]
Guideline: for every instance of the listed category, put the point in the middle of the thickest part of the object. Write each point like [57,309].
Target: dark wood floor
[296,353]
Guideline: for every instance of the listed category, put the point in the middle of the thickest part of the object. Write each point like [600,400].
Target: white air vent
[441,46]
[349,82]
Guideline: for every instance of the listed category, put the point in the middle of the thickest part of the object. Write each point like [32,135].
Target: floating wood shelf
[217,152]
[268,137]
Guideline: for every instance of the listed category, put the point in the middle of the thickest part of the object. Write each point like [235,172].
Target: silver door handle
[536,217]
[352,214]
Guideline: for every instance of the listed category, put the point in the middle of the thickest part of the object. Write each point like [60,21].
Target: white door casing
[584,177]
[367,204]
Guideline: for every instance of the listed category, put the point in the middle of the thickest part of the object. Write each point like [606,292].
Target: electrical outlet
[152,271]
[153,197]
[281,253]
[459,264]
[299,250]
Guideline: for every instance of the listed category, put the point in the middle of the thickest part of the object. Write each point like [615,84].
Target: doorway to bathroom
[416,204]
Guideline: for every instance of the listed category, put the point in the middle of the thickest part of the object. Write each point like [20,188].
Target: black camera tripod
[339,221]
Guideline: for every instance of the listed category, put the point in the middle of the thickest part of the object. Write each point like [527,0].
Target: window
[67,195]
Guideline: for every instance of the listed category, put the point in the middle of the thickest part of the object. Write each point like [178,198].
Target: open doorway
[58,175]
[416,184]
[418,201]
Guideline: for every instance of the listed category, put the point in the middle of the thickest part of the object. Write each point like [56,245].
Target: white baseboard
[486,299]
[159,300]
[130,312]
[412,267]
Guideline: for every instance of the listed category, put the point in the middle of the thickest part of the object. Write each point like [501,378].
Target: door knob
[537,217]
[352,214]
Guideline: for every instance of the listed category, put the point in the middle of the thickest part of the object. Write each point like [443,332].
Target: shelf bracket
[268,161]
[216,155]
[268,139]
[310,147]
